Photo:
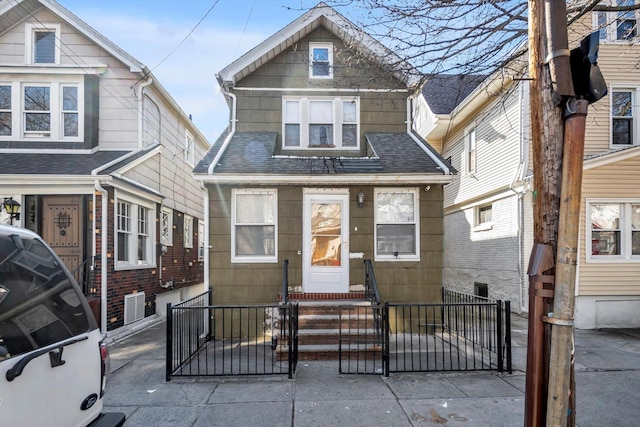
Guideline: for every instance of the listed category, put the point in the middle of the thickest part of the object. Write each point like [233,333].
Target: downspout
[104,196]
[141,110]
[437,161]
[234,101]
[519,176]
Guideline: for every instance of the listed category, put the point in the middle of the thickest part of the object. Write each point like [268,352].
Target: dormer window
[321,60]
[321,122]
[42,43]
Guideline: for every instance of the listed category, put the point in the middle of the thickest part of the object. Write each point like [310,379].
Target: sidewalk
[607,378]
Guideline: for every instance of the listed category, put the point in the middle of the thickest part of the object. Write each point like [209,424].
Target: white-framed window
[200,240]
[320,60]
[42,43]
[470,150]
[134,233]
[166,227]
[397,224]
[188,231]
[189,149]
[321,122]
[613,233]
[623,117]
[254,225]
[6,115]
[617,25]
[151,122]
[483,217]
[34,110]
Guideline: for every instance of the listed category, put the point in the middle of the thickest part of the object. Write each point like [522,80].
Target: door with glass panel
[326,245]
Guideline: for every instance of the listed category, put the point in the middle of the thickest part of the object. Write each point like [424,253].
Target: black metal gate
[207,340]
[435,337]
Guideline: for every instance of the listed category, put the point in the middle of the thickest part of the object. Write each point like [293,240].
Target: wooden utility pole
[549,70]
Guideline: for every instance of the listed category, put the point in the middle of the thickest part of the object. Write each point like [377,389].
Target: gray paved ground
[607,378]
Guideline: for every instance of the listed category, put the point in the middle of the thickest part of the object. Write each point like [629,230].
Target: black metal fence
[460,336]
[207,340]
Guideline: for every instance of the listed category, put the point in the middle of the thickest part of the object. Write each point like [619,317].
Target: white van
[53,364]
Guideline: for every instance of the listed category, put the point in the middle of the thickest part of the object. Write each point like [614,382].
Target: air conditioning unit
[133,307]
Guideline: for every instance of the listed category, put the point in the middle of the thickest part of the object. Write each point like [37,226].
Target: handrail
[371,286]
[285,282]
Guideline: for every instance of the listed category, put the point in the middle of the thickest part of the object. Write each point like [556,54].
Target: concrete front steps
[319,325]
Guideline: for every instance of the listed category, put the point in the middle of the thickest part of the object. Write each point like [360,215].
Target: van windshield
[39,304]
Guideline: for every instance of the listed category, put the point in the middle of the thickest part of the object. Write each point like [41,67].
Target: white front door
[326,241]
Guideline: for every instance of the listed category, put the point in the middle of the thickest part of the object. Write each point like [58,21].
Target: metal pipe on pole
[560,391]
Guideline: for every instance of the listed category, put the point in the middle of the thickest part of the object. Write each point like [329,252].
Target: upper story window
[623,121]
[134,233]
[397,220]
[618,25]
[321,60]
[189,149]
[42,43]
[321,122]
[36,111]
[470,150]
[614,233]
[254,226]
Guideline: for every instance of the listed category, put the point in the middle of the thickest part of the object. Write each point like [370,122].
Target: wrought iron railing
[84,276]
[370,285]
[427,337]
[243,340]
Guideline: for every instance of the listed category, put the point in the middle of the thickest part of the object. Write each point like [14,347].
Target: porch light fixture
[361,199]
[12,208]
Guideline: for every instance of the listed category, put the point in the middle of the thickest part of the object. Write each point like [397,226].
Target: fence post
[169,364]
[385,325]
[499,335]
[507,336]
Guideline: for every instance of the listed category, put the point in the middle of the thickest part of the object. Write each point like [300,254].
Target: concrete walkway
[607,378]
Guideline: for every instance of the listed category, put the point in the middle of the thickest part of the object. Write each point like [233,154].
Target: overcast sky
[149,30]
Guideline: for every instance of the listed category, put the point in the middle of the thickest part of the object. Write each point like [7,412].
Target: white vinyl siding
[397,224]
[253,226]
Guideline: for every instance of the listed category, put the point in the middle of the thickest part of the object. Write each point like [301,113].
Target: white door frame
[325,278]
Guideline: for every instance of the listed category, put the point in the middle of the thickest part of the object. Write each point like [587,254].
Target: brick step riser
[336,324]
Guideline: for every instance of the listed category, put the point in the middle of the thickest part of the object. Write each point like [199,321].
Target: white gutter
[429,153]
[104,196]
[325,179]
[141,109]
[231,133]
[206,284]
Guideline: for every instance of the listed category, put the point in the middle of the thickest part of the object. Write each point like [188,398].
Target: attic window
[43,43]
[321,60]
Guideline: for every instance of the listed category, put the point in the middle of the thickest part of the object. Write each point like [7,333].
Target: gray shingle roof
[55,164]
[444,92]
[252,153]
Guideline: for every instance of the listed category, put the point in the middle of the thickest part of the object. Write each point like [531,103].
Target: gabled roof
[444,92]
[337,24]
[15,11]
[250,158]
